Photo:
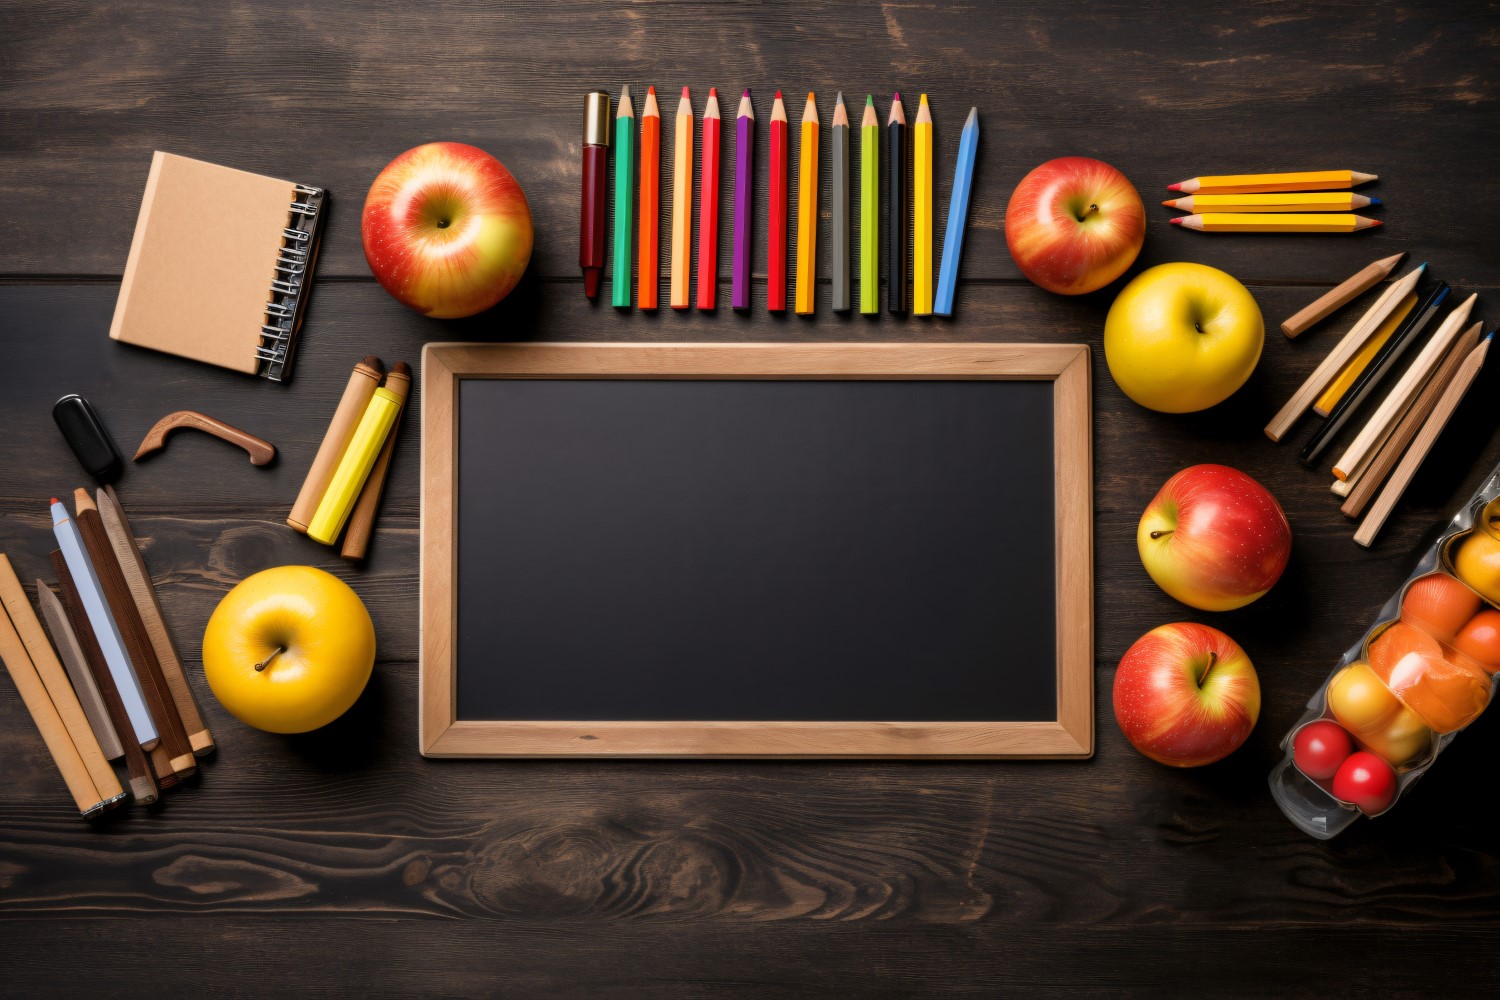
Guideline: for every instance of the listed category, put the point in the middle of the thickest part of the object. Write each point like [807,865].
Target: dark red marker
[595,170]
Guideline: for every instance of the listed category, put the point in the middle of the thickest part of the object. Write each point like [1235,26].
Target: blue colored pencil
[958,212]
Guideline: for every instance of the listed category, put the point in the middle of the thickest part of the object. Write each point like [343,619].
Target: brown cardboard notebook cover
[199,279]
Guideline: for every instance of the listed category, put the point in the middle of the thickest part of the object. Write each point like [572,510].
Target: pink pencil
[744,195]
[708,205]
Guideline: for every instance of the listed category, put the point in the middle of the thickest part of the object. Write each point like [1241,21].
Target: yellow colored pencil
[354,466]
[682,202]
[1251,222]
[807,210]
[1357,364]
[1310,180]
[1291,201]
[921,175]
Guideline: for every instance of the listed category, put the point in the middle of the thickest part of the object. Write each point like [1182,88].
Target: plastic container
[1425,669]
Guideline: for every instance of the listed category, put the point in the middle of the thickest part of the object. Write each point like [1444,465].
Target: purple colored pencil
[744,195]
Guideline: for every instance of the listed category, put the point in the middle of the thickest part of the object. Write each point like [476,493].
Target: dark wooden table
[343,862]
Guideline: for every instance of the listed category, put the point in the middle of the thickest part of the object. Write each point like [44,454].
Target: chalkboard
[648,549]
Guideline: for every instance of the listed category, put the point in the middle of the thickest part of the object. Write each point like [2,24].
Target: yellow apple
[1476,561]
[289,649]
[1377,719]
[1183,337]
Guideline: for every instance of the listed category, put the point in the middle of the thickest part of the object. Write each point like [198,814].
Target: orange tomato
[1439,605]
[1480,640]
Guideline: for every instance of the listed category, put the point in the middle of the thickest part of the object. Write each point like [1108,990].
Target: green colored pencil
[624,200]
[869,210]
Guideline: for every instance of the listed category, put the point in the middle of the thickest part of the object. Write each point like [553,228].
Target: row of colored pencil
[1383,457]
[909,192]
[1315,201]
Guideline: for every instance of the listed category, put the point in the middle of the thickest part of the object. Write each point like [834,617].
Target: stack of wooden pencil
[1398,431]
[113,686]
[1316,201]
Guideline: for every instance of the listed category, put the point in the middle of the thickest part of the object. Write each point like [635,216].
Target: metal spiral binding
[283,308]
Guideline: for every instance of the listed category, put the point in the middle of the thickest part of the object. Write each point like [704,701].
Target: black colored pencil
[898,197]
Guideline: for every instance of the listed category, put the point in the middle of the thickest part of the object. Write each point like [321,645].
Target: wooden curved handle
[261,451]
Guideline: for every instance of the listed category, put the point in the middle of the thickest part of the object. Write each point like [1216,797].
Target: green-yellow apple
[1074,224]
[1214,538]
[447,230]
[1186,695]
[289,649]
[1182,337]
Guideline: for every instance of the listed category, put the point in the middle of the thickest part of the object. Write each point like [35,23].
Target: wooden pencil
[839,164]
[898,218]
[1396,402]
[708,204]
[1433,426]
[1340,295]
[351,406]
[776,211]
[682,203]
[807,210]
[137,644]
[1291,201]
[647,269]
[1312,180]
[367,507]
[143,787]
[71,654]
[1346,348]
[1360,488]
[869,209]
[1358,364]
[48,669]
[86,795]
[958,211]
[1252,222]
[621,277]
[744,201]
[921,233]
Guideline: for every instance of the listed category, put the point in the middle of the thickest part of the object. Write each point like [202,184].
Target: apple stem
[1213,658]
[263,664]
[1088,212]
[1158,534]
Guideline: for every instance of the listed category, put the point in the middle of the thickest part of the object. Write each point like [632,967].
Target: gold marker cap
[596,119]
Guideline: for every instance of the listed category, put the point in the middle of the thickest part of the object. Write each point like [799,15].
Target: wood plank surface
[342,862]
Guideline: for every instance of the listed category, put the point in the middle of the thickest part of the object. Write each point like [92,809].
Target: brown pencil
[362,520]
[1340,295]
[179,752]
[142,785]
[71,653]
[148,606]
[357,393]
[1431,428]
[1362,485]
[55,681]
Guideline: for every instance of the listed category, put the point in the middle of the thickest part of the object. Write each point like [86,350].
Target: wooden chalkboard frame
[1070,735]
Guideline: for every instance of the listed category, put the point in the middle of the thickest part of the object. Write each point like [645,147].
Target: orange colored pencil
[647,278]
[708,204]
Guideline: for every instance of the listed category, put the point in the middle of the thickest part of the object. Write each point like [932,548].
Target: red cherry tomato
[1365,781]
[1320,747]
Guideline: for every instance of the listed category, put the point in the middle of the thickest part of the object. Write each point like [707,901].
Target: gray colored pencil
[841,299]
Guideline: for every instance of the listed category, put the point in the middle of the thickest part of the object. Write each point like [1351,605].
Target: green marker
[620,281]
[869,210]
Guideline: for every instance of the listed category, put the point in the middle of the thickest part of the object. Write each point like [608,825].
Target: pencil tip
[651,91]
[870,100]
[839,98]
[1175,222]
[923,99]
[713,91]
[1374,222]
[810,96]
[778,95]
[1376,201]
[684,92]
[55,500]
[897,97]
[746,93]
[1175,187]
[1170,203]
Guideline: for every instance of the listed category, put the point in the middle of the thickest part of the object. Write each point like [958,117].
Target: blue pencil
[958,211]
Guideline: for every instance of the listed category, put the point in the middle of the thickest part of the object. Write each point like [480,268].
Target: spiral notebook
[220,266]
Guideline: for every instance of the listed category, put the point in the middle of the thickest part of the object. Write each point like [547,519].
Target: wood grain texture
[341,861]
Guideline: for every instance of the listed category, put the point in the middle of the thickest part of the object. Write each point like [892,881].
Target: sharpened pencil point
[746,93]
[897,97]
[1175,187]
[839,98]
[870,100]
[778,95]
[713,91]
[1376,201]
[685,92]
[54,500]
[1170,203]
[1175,222]
[651,91]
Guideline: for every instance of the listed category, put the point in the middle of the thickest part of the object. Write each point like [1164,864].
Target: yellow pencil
[921,174]
[354,467]
[1357,364]
[682,202]
[1312,180]
[1292,201]
[1227,222]
[807,210]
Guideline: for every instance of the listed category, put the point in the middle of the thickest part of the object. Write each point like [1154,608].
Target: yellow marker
[1357,364]
[354,468]
[921,242]
[807,210]
[682,202]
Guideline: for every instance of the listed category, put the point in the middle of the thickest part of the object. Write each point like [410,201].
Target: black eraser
[85,433]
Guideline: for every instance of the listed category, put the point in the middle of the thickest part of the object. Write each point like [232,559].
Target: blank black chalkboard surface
[726,550]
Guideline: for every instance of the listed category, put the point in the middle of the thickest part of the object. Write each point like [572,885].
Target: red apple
[1186,695]
[1214,538]
[447,229]
[1074,225]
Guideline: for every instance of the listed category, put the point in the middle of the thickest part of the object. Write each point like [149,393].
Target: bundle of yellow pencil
[1318,201]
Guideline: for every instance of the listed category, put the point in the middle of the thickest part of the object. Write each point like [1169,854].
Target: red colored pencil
[708,205]
[646,275]
[776,239]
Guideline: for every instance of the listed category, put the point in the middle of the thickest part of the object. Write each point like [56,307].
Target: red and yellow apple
[447,230]
[1182,337]
[1186,695]
[1074,224]
[1214,538]
[289,649]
